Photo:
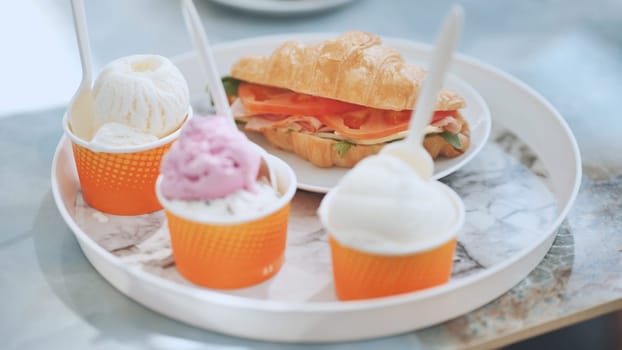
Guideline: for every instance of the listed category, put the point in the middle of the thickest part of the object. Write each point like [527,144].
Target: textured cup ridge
[361,275]
[229,255]
[120,183]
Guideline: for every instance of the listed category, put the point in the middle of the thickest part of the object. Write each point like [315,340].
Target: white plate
[283,7]
[321,180]
[512,217]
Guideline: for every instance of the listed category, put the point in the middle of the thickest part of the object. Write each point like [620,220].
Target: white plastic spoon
[217,90]
[411,148]
[206,58]
[82,105]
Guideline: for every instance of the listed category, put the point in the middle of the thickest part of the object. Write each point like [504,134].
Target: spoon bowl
[414,154]
[81,113]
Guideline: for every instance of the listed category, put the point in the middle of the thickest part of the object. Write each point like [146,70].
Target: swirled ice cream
[146,93]
[212,170]
[383,206]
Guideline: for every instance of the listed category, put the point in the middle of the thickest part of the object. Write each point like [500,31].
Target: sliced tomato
[273,117]
[271,100]
[369,124]
[401,117]
[439,115]
[349,120]
[372,123]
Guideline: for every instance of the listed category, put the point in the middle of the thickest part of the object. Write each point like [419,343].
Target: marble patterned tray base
[505,190]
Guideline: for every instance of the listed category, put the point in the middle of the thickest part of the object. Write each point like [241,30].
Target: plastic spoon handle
[445,46]
[79,21]
[217,90]
[201,44]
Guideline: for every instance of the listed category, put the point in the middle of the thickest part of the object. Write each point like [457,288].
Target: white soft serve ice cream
[383,206]
[146,93]
[120,135]
[239,203]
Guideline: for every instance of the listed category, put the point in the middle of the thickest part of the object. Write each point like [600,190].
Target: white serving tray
[516,191]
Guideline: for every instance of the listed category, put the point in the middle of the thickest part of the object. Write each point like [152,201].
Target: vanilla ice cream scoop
[383,206]
[144,92]
[120,135]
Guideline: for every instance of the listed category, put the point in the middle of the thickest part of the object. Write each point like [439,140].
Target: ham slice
[312,124]
[295,123]
[449,124]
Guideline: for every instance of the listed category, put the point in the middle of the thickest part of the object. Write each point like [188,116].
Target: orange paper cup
[120,180]
[229,253]
[362,274]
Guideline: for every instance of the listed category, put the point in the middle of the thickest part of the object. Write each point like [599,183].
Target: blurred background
[533,40]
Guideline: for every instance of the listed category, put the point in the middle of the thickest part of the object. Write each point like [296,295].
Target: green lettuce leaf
[231,85]
[452,139]
[342,148]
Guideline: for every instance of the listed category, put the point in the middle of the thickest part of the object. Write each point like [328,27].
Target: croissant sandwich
[339,101]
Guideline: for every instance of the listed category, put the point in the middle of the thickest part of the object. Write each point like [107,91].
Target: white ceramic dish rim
[403,249]
[283,6]
[319,307]
[284,171]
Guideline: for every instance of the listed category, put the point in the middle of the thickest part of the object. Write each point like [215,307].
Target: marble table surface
[570,51]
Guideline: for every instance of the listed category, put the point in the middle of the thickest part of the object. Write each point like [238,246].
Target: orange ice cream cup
[232,252]
[120,180]
[360,274]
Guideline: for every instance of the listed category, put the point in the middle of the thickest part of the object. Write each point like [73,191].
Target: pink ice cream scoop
[210,160]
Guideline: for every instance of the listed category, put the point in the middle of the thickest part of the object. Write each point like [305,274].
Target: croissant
[356,68]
